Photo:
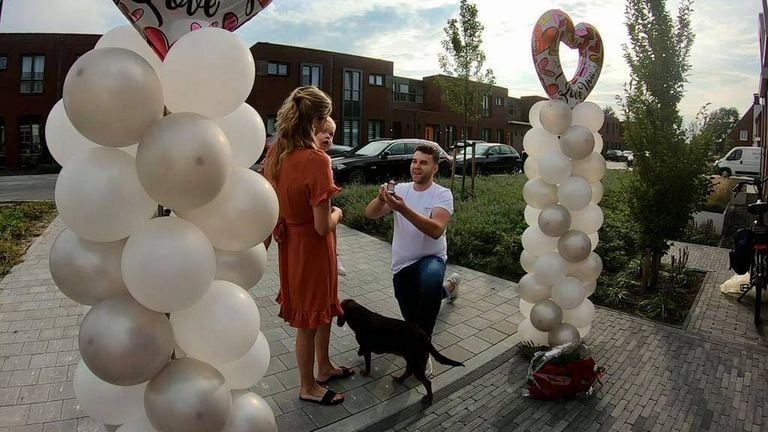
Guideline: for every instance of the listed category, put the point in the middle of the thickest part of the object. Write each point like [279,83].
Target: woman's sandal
[327,399]
[345,373]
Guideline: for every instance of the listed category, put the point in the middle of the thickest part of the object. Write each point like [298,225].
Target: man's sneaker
[455,279]
[340,267]
[428,370]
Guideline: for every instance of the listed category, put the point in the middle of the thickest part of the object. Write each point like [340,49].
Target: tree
[716,126]
[608,111]
[668,182]
[468,82]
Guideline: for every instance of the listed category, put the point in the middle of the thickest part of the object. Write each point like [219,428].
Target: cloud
[725,56]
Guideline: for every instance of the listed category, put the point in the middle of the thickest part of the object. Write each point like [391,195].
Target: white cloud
[725,58]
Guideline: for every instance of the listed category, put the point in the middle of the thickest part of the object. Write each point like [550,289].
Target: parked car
[383,160]
[739,161]
[614,155]
[338,150]
[491,158]
[335,150]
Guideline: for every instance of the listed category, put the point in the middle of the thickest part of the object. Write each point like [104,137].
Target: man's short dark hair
[430,150]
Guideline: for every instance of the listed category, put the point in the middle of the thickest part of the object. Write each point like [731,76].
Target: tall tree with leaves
[716,126]
[668,182]
[468,81]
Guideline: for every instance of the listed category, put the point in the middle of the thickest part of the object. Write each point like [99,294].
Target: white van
[740,161]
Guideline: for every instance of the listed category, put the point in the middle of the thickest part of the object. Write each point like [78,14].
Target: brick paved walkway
[680,379]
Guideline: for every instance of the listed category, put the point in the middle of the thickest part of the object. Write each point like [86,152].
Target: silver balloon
[554,220]
[546,315]
[563,334]
[250,413]
[85,271]
[574,246]
[577,142]
[532,290]
[112,96]
[124,343]
[242,268]
[184,160]
[555,116]
[188,396]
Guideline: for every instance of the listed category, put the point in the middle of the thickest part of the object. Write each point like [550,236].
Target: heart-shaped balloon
[553,27]
[163,22]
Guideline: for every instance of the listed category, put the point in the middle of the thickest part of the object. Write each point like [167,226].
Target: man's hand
[394,202]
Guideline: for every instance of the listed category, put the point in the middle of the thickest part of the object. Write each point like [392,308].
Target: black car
[490,158]
[615,155]
[338,150]
[383,160]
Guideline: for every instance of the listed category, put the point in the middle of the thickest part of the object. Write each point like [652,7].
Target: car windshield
[372,149]
[479,149]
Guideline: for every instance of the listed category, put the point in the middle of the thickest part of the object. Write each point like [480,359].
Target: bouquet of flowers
[564,372]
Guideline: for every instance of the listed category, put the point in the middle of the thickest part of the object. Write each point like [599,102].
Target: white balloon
[126,36]
[242,215]
[597,191]
[589,287]
[595,239]
[581,316]
[527,261]
[537,243]
[584,331]
[137,424]
[537,142]
[104,402]
[131,149]
[531,215]
[592,168]
[533,114]
[531,168]
[532,290]
[220,327]
[250,413]
[550,269]
[112,96]
[577,142]
[246,133]
[168,265]
[539,194]
[98,195]
[598,143]
[183,161]
[242,268]
[587,270]
[574,193]
[526,307]
[555,116]
[63,140]
[527,332]
[588,220]
[589,115]
[555,168]
[248,369]
[568,293]
[214,63]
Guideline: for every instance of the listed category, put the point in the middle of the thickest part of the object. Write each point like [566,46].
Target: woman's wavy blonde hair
[295,124]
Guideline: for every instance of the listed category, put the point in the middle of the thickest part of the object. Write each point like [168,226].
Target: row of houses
[369,100]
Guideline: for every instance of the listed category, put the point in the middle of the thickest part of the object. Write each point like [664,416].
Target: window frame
[33,80]
[277,65]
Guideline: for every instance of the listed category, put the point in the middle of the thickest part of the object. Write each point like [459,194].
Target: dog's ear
[340,320]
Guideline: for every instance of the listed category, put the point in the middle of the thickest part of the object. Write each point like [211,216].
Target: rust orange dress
[308,294]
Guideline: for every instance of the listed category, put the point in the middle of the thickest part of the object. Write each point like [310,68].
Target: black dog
[381,335]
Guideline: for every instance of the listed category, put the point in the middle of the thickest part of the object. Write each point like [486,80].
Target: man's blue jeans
[419,292]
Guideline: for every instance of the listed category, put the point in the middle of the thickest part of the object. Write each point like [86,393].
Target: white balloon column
[162,285]
[564,169]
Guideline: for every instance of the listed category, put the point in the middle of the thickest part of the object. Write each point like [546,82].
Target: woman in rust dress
[308,298]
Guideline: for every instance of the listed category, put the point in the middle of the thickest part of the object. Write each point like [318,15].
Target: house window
[271,120]
[32,74]
[351,133]
[486,106]
[376,80]
[743,135]
[486,135]
[29,135]
[3,62]
[311,75]
[450,136]
[277,69]
[500,135]
[466,132]
[2,137]
[375,129]
[499,101]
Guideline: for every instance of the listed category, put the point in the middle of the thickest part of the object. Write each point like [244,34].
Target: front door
[429,133]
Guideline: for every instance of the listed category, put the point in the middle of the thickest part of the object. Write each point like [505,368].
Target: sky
[725,57]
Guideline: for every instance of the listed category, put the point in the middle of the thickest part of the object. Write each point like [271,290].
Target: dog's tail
[441,358]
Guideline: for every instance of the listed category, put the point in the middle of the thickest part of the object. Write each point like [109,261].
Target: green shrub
[19,224]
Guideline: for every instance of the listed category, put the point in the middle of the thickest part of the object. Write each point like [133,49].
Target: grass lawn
[20,223]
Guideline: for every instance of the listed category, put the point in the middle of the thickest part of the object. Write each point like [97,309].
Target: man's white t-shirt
[408,243]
